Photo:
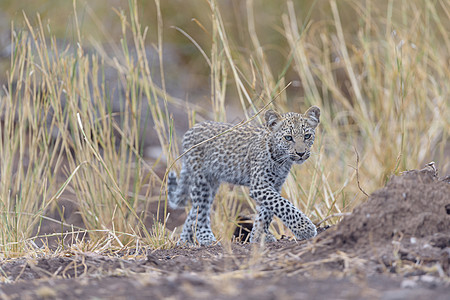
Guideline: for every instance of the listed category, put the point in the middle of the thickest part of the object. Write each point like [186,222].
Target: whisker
[283,159]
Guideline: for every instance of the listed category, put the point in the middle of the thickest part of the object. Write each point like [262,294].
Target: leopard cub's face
[292,134]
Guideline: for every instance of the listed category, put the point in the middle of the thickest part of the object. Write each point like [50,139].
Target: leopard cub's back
[226,156]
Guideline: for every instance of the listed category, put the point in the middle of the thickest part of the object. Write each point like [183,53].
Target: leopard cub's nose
[300,154]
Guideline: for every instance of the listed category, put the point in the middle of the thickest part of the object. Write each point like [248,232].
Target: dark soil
[394,246]
[413,205]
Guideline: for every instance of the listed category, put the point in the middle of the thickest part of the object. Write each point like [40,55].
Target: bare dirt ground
[394,246]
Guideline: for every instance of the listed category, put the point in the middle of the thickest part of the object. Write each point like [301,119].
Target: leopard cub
[259,157]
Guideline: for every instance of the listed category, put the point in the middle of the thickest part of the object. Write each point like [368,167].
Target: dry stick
[199,48]
[357,172]
[333,216]
[21,271]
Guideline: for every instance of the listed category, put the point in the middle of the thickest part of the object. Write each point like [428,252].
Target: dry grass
[382,84]
[29,155]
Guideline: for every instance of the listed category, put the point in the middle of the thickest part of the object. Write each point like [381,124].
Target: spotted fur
[259,157]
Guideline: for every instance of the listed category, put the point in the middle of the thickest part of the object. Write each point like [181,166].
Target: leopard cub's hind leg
[187,235]
[198,222]
[261,226]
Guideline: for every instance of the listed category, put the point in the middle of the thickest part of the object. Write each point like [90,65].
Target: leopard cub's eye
[288,138]
[307,136]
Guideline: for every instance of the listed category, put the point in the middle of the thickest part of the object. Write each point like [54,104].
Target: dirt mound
[415,204]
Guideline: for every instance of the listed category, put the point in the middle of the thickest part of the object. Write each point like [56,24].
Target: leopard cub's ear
[313,115]
[272,119]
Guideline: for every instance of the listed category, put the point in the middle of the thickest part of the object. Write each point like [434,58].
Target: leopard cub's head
[292,134]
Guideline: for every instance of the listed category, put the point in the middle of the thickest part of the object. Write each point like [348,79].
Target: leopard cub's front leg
[300,225]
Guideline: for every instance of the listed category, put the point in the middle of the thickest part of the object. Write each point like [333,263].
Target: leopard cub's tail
[177,191]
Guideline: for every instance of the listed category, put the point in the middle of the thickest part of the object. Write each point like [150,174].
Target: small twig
[357,172]
[333,216]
